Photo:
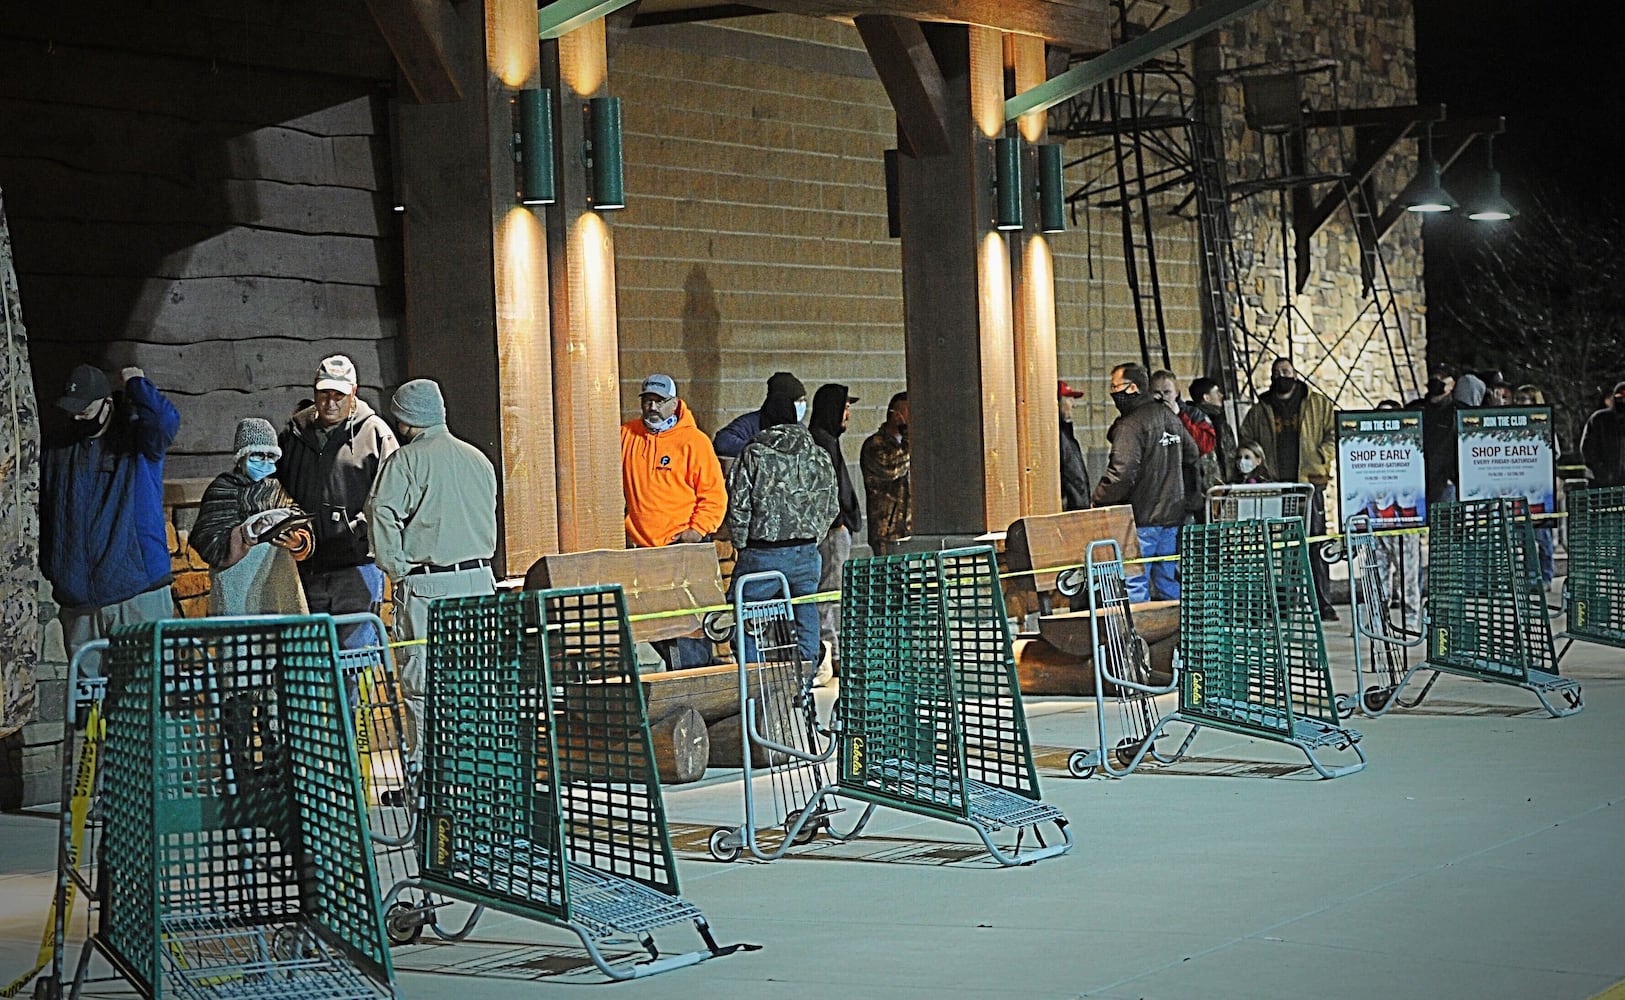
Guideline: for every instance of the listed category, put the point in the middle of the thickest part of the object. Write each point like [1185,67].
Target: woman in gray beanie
[250,531]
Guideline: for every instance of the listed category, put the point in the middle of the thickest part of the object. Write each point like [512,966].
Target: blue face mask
[801,410]
[258,468]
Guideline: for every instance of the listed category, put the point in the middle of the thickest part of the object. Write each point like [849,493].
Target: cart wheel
[720,848]
[1077,764]
[1127,748]
[806,834]
[1376,698]
[403,923]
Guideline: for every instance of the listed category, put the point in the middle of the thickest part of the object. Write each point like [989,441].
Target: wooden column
[1032,267]
[476,268]
[958,320]
[586,394]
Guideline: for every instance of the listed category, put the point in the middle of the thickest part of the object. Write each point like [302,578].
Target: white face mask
[801,410]
[658,424]
[1246,464]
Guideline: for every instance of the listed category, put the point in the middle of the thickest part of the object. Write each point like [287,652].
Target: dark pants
[1318,567]
[347,590]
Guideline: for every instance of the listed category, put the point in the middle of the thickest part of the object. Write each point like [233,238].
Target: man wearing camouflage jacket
[781,498]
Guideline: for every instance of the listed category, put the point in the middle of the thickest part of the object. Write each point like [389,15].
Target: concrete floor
[1480,855]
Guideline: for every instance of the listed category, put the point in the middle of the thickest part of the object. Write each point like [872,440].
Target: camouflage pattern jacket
[884,462]
[781,489]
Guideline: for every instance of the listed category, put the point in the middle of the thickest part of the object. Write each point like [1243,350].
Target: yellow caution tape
[84,784]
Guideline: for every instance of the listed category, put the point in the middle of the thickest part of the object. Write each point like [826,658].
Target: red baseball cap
[1066,390]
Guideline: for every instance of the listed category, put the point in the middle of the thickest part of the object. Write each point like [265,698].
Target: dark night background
[1554,71]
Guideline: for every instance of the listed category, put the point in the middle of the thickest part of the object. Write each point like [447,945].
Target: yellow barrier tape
[84,784]
[826,596]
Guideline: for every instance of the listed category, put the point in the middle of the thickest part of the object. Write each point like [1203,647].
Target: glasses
[263,456]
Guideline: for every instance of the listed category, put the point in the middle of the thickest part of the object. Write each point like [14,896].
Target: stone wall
[1335,342]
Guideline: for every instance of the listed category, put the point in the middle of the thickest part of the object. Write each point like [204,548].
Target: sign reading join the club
[1380,472]
[1506,452]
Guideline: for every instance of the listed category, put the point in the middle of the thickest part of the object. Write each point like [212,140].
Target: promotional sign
[1380,472]
[1506,452]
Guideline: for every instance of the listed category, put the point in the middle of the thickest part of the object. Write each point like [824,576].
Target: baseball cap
[659,385]
[337,373]
[86,384]
[1066,390]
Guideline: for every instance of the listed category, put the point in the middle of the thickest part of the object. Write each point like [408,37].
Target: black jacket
[829,406]
[1438,443]
[1074,474]
[332,483]
[1152,466]
[1603,447]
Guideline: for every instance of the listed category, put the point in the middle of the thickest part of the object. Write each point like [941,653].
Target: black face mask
[1281,385]
[1125,401]
[1435,387]
[1212,409]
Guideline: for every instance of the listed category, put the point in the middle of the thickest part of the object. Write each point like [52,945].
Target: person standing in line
[103,545]
[1438,409]
[1402,557]
[433,518]
[1074,474]
[1545,543]
[741,430]
[1208,396]
[1165,389]
[331,453]
[782,498]
[1152,466]
[1297,426]
[251,533]
[672,485]
[883,459]
[831,413]
[1602,444]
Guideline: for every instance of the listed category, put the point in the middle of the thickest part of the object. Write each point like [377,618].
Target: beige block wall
[755,234]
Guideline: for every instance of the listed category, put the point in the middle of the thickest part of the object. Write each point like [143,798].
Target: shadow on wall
[702,345]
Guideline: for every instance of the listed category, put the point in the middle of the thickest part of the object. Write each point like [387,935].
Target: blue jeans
[800,565]
[1543,544]
[1163,576]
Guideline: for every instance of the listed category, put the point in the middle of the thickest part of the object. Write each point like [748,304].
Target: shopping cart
[1253,501]
[1381,646]
[1594,590]
[234,860]
[782,742]
[1122,662]
[539,793]
[931,720]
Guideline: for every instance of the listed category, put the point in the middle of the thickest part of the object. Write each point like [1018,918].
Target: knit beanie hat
[255,436]
[418,403]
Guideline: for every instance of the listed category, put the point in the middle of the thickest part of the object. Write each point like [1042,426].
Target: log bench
[1059,659]
[684,706]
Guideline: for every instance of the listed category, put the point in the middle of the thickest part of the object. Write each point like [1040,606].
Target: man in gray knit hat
[433,522]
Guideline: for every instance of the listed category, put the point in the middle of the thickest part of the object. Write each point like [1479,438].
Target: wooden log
[682,745]
[1041,669]
[711,691]
[1069,631]
[728,738]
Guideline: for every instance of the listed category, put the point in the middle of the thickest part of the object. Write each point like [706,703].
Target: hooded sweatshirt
[331,479]
[1469,390]
[781,489]
[829,405]
[671,481]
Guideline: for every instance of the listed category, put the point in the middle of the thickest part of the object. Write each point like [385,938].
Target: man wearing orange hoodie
[673,486]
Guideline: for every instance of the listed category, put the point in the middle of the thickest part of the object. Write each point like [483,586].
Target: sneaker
[826,666]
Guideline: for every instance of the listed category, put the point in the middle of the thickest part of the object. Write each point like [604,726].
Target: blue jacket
[731,440]
[102,536]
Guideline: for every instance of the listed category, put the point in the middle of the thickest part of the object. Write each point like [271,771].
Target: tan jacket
[434,504]
[1317,435]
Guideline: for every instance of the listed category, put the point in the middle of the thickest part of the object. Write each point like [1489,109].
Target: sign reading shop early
[1380,472]
[1506,452]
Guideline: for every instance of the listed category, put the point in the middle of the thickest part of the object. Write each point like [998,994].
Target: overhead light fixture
[1007,192]
[608,189]
[1429,195]
[533,146]
[1051,193]
[1492,207]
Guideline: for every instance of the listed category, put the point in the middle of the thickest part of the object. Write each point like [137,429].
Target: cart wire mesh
[1254,656]
[929,699]
[236,858]
[787,712]
[1594,593]
[1256,501]
[537,755]
[1486,607]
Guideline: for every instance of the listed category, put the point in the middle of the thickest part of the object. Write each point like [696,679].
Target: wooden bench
[1059,659]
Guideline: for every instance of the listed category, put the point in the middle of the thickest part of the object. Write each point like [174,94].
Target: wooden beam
[414,33]
[1078,24]
[1088,75]
[303,35]
[909,72]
